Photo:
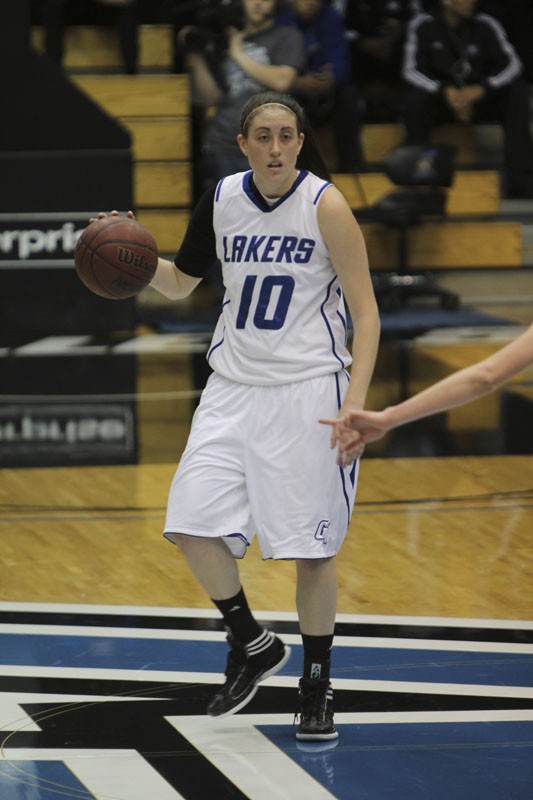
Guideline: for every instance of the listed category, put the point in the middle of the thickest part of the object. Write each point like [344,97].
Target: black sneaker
[245,671]
[316,711]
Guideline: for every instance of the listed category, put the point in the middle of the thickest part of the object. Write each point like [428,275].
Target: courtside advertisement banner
[40,239]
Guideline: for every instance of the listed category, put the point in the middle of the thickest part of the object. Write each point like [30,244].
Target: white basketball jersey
[283,317]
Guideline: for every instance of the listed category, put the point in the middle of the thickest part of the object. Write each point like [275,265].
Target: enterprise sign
[40,239]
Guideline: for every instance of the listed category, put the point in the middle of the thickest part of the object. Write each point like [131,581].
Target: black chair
[424,172]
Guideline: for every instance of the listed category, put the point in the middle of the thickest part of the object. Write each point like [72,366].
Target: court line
[357,512]
[288,616]
[368,642]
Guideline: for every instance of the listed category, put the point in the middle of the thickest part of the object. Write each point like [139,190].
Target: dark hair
[310,157]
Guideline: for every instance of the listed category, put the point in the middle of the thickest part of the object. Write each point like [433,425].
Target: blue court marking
[183,655]
[40,780]
[446,761]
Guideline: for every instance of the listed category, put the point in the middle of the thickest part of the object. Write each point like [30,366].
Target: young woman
[354,429]
[259,55]
[257,461]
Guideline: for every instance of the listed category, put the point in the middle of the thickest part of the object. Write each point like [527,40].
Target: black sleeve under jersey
[198,253]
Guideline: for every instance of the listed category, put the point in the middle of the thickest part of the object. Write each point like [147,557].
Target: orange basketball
[116,257]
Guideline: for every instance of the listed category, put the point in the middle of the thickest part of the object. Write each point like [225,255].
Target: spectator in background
[56,15]
[231,53]
[376,32]
[516,16]
[517,19]
[255,54]
[460,66]
[324,87]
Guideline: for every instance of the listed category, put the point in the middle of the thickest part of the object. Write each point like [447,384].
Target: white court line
[114,633]
[107,774]
[434,717]
[213,730]
[391,643]
[249,759]
[164,611]
[258,767]
[406,687]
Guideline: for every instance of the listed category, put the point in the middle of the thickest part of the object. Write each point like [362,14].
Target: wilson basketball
[116,257]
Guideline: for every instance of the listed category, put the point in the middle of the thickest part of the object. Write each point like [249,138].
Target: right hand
[461,102]
[315,84]
[114,213]
[235,39]
[356,428]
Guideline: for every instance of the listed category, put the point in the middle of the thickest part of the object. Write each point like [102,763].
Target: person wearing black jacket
[460,66]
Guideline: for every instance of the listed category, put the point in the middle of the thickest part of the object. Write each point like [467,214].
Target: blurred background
[99,113]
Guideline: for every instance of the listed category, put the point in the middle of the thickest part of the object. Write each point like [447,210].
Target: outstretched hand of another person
[353,430]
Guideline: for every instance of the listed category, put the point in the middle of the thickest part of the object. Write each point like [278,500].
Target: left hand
[325,78]
[463,100]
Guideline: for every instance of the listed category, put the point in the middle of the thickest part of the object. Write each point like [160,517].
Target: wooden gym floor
[109,652]
[436,537]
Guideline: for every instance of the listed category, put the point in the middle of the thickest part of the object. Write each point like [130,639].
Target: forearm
[172,283]
[364,352]
[271,76]
[204,86]
[455,390]
[300,86]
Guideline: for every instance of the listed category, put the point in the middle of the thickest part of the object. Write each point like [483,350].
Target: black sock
[317,656]
[238,618]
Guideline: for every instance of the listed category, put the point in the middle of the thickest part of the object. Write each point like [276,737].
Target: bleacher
[154,107]
[480,239]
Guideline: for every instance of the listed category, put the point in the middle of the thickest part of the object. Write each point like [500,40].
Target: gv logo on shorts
[321,533]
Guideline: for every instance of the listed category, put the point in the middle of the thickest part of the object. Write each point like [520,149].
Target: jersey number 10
[277,314]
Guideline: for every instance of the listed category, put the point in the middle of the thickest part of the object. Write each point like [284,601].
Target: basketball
[115,257]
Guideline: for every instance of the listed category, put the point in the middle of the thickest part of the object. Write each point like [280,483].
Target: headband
[265,105]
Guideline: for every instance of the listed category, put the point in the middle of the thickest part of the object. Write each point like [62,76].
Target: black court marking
[383,630]
[132,715]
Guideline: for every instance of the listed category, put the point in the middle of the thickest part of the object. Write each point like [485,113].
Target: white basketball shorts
[258,462]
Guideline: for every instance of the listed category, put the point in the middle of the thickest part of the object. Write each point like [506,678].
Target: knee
[310,567]
[183,541]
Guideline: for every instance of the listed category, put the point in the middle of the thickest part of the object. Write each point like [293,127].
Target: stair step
[159,138]
[162,183]
[471,193]
[98,46]
[138,95]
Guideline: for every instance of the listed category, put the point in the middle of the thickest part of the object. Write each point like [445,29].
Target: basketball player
[256,459]
[354,429]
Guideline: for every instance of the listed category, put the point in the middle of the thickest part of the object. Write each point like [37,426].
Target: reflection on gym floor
[109,702]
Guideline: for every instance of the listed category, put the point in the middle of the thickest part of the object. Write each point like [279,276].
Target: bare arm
[171,281]
[204,85]
[348,255]
[168,279]
[461,387]
[271,76]
[314,84]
